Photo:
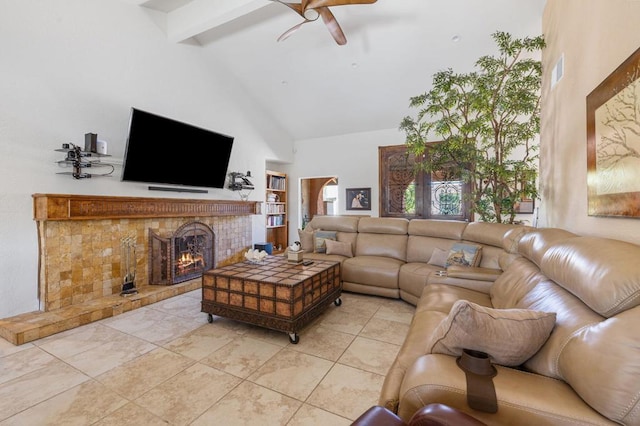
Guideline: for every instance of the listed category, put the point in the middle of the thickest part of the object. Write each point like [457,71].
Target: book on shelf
[275,208]
[275,220]
[277,182]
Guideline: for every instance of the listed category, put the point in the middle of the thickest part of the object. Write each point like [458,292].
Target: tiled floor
[165,364]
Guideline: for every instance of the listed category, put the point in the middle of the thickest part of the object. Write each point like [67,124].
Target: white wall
[69,67]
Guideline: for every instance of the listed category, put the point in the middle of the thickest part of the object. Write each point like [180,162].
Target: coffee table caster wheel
[210,318]
[294,338]
[337,302]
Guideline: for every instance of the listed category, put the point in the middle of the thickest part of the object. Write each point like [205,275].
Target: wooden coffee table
[275,293]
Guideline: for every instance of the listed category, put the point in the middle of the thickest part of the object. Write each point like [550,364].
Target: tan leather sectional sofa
[587,369]
[391,255]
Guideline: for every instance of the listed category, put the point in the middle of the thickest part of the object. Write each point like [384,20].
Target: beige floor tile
[182,306]
[188,394]
[292,373]
[153,325]
[361,304]
[196,294]
[232,325]
[130,415]
[32,388]
[308,415]
[144,373]
[78,340]
[279,338]
[385,330]
[396,310]
[24,362]
[136,320]
[370,355]
[176,305]
[323,342]
[81,405]
[202,341]
[250,404]
[109,355]
[169,328]
[241,357]
[347,391]
[344,321]
[7,348]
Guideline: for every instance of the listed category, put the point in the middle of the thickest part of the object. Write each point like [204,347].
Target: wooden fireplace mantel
[96,207]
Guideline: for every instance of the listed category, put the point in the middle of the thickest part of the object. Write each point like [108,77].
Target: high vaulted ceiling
[314,88]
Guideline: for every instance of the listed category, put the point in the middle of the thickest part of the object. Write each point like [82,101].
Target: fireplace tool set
[128,266]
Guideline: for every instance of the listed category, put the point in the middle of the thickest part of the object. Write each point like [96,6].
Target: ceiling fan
[311,10]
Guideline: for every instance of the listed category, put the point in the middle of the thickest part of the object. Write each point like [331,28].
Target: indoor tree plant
[486,121]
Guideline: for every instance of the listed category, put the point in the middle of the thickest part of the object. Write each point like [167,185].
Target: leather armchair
[429,415]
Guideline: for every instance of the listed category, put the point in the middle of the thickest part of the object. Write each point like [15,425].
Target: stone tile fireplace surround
[79,240]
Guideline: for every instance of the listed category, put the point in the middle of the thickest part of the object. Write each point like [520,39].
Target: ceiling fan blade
[313,4]
[296,7]
[332,25]
[291,30]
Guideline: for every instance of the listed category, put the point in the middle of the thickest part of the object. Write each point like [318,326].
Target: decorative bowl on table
[255,256]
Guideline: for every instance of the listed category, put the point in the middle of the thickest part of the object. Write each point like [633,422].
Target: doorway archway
[318,196]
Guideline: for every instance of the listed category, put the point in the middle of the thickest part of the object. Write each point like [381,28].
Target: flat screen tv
[164,151]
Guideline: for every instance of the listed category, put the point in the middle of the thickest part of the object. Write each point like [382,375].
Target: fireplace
[182,256]
[80,236]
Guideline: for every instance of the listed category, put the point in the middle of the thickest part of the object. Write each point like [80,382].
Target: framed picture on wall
[613,143]
[526,205]
[358,198]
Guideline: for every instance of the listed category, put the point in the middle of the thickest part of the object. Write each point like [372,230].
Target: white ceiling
[315,88]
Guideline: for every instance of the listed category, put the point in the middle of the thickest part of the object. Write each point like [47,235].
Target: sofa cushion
[509,336]
[338,247]
[420,249]
[439,257]
[335,223]
[383,225]
[306,239]
[413,278]
[382,245]
[611,267]
[464,254]
[319,237]
[376,271]
[435,228]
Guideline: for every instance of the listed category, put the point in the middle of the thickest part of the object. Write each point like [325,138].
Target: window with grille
[412,193]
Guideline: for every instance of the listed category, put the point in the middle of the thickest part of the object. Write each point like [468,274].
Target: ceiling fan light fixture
[311,14]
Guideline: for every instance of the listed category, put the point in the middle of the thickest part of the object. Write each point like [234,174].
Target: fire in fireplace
[182,256]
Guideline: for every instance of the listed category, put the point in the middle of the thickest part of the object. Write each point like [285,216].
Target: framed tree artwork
[613,143]
[358,198]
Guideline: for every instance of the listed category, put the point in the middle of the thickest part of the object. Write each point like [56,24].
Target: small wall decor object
[613,143]
[358,199]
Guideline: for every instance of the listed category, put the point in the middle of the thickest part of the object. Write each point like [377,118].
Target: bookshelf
[276,210]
